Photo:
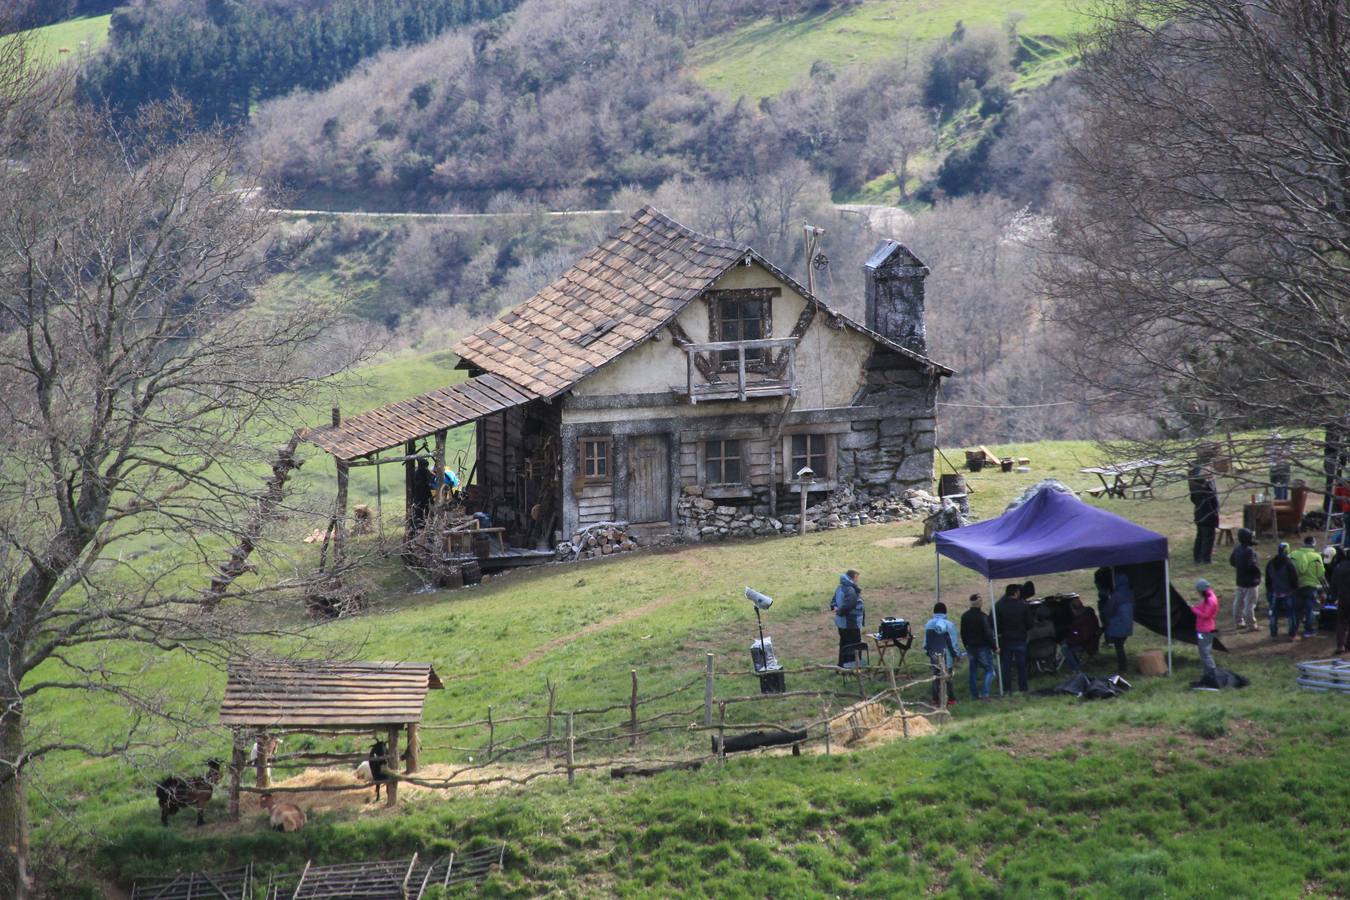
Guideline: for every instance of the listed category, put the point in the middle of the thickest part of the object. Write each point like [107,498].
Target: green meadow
[1166,791]
[767,57]
[70,39]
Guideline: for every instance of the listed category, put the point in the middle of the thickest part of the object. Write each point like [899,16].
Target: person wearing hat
[1206,611]
[1281,582]
[1311,579]
[977,633]
[1247,567]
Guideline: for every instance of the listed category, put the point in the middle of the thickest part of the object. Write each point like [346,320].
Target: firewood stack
[599,539]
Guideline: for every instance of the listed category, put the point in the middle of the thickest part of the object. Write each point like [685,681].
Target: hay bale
[854,722]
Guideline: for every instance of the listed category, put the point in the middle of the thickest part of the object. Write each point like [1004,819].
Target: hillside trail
[613,621]
[636,612]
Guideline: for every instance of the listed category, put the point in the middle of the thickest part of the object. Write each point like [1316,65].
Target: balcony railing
[771,370]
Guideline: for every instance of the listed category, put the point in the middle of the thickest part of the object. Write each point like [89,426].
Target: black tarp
[1146,581]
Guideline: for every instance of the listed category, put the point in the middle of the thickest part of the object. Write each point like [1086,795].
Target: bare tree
[898,139]
[138,385]
[1203,257]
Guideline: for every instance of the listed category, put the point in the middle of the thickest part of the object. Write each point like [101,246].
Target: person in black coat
[1338,588]
[1205,499]
[421,494]
[977,633]
[1013,616]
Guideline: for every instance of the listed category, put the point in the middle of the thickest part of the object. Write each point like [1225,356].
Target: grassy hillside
[77,36]
[766,57]
[1165,791]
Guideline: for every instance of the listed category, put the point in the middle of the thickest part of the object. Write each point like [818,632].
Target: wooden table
[1134,478]
[460,543]
[1256,516]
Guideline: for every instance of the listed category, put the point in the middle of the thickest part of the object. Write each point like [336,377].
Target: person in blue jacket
[942,643]
[1118,616]
[848,615]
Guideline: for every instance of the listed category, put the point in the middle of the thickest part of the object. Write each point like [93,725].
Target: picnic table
[1127,479]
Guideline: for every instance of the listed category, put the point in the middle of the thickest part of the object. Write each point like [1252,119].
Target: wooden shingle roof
[407,420]
[616,295]
[325,694]
[632,284]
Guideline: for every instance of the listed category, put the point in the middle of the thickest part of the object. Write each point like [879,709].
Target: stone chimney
[894,279]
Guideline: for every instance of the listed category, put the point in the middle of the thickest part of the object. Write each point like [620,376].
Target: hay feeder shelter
[264,699]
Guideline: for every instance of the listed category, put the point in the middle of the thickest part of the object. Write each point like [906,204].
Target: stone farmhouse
[667,374]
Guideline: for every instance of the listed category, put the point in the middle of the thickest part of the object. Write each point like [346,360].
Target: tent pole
[998,655]
[937,575]
[1167,609]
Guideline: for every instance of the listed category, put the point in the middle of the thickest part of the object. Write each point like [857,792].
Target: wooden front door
[648,478]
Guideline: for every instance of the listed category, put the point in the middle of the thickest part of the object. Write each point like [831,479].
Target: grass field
[75,36]
[766,57]
[1166,791]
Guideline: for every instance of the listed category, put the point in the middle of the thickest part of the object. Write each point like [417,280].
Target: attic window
[741,315]
[596,333]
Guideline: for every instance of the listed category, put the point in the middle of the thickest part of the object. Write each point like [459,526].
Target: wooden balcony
[771,370]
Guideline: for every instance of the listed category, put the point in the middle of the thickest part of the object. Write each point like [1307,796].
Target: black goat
[176,793]
[376,758]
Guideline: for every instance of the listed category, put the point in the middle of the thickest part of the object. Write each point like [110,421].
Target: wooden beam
[413,747]
[391,765]
[409,455]
[236,769]
[261,780]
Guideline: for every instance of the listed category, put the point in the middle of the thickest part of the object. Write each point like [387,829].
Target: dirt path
[627,615]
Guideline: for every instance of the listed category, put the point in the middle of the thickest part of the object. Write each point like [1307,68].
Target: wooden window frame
[790,465]
[764,297]
[583,459]
[705,456]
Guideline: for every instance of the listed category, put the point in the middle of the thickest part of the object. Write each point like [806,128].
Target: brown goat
[176,793]
[285,816]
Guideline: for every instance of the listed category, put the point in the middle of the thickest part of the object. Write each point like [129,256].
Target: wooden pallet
[400,879]
[236,884]
[1325,675]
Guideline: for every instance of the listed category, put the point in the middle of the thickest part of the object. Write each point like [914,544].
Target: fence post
[942,686]
[491,734]
[722,735]
[571,752]
[708,692]
[632,711]
[548,727]
[827,737]
[904,716]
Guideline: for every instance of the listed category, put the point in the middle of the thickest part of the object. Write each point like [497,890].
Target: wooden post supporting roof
[340,505]
[413,748]
[409,471]
[236,770]
[391,766]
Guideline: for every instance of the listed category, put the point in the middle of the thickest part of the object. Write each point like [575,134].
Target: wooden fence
[642,734]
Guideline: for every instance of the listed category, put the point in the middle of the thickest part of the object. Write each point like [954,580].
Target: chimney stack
[894,279]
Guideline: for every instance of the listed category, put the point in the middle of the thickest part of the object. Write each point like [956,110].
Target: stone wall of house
[894,454]
[702,519]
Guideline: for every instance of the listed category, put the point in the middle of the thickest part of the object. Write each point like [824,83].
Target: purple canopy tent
[1051,532]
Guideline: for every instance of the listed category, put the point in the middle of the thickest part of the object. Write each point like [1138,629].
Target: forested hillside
[226,55]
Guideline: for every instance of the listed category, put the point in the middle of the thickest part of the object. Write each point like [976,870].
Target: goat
[376,759]
[176,793]
[285,816]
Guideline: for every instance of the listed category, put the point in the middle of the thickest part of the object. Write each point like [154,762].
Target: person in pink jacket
[1205,613]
